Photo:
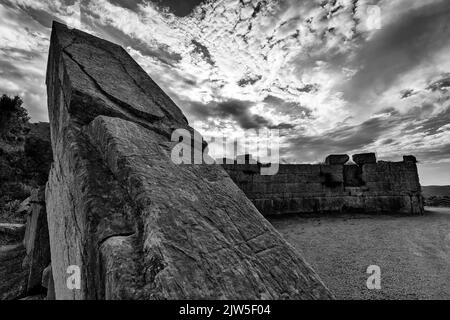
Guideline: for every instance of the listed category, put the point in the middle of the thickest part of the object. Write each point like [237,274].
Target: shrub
[13,119]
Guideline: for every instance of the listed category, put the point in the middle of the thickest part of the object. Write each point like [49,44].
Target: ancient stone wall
[369,187]
[137,225]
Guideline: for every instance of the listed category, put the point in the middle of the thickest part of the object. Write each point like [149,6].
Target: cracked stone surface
[137,225]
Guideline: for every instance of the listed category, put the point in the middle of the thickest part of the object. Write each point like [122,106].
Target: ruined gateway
[139,226]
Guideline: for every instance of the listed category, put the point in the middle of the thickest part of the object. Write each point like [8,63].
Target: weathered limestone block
[375,172]
[13,278]
[353,176]
[138,225]
[397,177]
[337,159]
[364,158]
[36,240]
[332,177]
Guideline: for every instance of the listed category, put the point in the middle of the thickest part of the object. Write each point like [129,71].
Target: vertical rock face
[137,225]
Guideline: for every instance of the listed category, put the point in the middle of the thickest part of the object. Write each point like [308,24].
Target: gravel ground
[413,252]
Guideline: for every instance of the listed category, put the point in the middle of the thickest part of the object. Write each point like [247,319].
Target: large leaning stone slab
[99,77]
[137,225]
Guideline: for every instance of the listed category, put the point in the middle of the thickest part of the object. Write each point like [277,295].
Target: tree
[13,118]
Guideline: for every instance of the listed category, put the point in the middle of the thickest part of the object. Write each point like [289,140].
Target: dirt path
[413,252]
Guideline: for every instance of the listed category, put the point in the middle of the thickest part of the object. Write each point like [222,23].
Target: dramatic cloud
[333,76]
[236,110]
[406,44]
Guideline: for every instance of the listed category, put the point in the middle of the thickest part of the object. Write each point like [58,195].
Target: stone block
[337,159]
[138,225]
[364,158]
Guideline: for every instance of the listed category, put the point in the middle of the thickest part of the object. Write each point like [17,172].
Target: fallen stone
[364,158]
[336,159]
[137,225]
[36,240]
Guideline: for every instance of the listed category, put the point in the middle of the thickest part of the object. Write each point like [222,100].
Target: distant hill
[437,196]
[439,191]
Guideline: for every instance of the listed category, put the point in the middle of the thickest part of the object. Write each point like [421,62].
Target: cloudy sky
[333,76]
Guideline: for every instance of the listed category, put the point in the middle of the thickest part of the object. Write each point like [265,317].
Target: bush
[13,119]
[8,212]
